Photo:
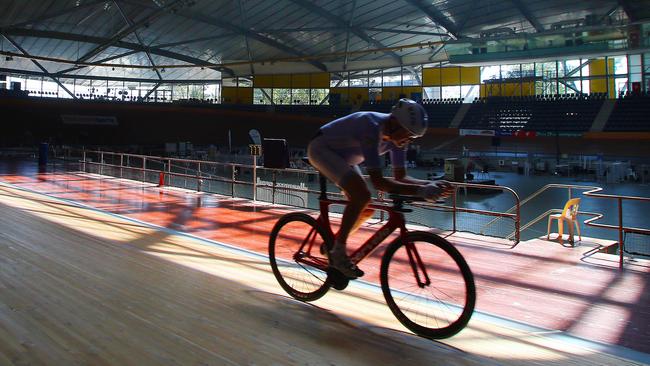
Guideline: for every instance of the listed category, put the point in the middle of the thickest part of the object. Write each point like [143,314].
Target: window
[410,77]
[300,96]
[392,77]
[359,79]
[432,92]
[450,92]
[469,92]
[281,96]
[490,73]
[374,77]
[339,80]
[262,96]
[320,95]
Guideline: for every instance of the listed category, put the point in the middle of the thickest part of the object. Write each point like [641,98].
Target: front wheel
[428,285]
[295,256]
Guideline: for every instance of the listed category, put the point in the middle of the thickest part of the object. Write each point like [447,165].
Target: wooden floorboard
[80,286]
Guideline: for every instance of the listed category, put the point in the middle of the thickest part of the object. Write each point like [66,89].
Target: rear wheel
[428,285]
[295,256]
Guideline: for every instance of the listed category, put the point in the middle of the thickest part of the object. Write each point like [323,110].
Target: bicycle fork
[417,265]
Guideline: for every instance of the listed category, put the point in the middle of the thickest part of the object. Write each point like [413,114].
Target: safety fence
[294,187]
[631,240]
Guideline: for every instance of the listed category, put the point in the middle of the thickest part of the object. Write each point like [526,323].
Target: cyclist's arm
[399,173]
[391,185]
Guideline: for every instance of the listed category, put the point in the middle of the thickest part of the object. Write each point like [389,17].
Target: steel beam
[54,14]
[523,9]
[249,33]
[337,20]
[45,72]
[121,44]
[135,32]
[436,16]
[128,30]
[110,78]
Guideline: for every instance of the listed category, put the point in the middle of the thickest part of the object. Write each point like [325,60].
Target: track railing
[198,174]
[588,191]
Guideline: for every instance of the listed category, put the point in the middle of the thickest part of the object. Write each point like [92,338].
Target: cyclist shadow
[290,319]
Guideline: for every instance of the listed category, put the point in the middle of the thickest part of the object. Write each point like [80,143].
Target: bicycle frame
[395,221]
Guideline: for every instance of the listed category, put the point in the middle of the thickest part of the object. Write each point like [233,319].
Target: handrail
[590,191]
[201,174]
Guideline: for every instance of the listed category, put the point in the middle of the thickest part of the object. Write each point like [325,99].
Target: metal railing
[199,173]
[589,191]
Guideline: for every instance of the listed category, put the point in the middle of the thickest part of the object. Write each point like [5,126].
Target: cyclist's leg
[335,168]
[364,215]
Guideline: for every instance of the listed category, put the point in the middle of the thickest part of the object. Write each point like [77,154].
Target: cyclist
[338,148]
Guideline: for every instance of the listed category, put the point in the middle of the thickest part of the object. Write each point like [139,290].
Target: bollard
[161,179]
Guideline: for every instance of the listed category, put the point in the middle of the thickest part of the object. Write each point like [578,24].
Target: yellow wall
[597,68]
[229,94]
[470,75]
[297,81]
[358,96]
[282,81]
[320,80]
[244,96]
[450,76]
[235,95]
[343,92]
[507,89]
[391,93]
[263,81]
[300,81]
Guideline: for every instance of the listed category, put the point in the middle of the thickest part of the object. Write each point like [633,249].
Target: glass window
[510,71]
[281,96]
[244,82]
[584,86]
[339,80]
[470,92]
[375,78]
[319,96]
[392,77]
[569,68]
[33,86]
[300,96]
[527,70]
[359,78]
[411,77]
[180,91]
[620,65]
[212,93]
[450,92]
[634,65]
[490,73]
[229,81]
[50,89]
[262,96]
[68,83]
[547,70]
[433,92]
[621,85]
[163,93]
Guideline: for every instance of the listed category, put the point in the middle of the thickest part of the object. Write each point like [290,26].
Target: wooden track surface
[80,286]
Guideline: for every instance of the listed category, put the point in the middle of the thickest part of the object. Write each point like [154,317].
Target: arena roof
[158,39]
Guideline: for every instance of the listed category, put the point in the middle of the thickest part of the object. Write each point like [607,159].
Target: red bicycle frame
[395,221]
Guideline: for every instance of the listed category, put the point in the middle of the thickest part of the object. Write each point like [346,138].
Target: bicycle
[439,283]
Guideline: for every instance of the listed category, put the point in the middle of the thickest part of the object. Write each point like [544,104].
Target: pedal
[339,281]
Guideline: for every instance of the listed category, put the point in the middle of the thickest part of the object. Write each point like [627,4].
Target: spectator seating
[631,113]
